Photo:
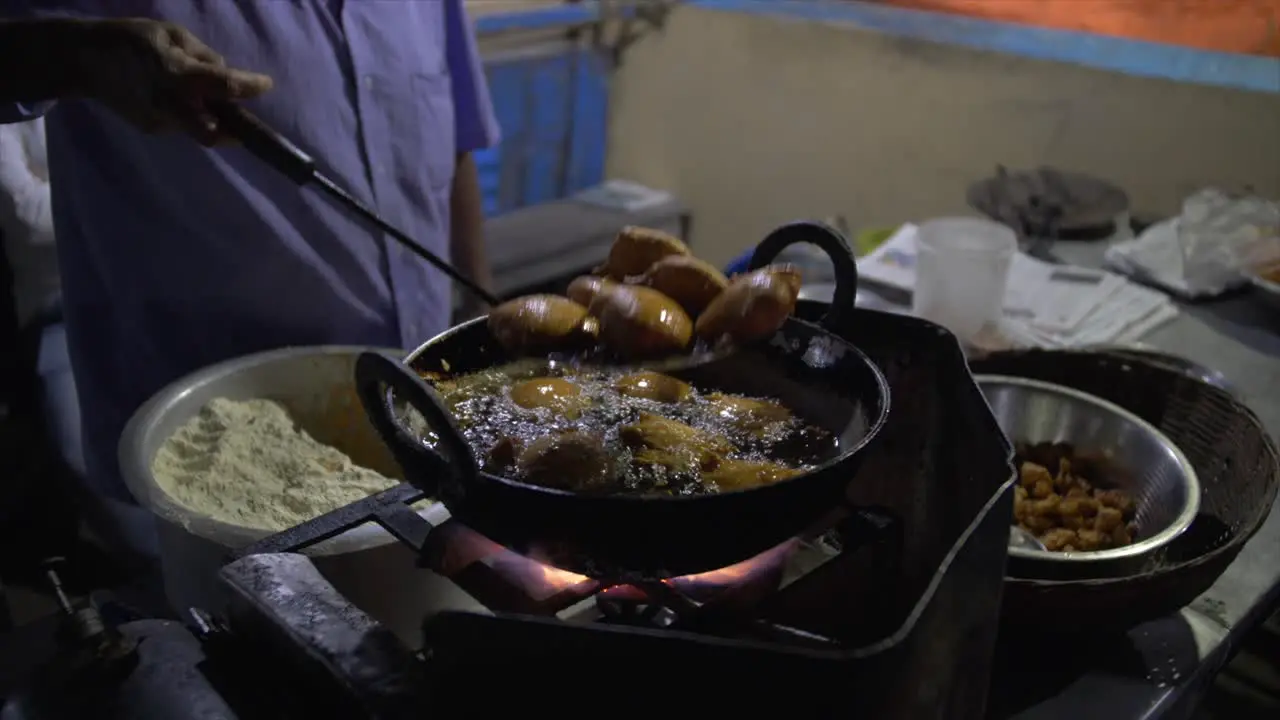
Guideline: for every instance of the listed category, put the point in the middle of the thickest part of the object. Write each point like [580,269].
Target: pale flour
[247,463]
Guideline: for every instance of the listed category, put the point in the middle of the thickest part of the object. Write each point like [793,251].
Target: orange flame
[562,579]
[555,579]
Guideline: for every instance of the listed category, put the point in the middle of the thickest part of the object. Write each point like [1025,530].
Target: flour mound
[247,463]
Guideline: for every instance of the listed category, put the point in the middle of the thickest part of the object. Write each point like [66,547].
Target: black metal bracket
[289,615]
[389,508]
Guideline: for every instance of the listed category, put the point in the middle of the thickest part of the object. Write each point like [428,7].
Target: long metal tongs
[280,153]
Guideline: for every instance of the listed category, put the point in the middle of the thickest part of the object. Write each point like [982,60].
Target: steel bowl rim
[1191,483]
[129,456]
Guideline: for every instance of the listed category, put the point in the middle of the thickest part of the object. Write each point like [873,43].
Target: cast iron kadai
[805,365]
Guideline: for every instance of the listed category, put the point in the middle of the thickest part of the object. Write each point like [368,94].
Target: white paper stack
[1063,306]
[1045,305]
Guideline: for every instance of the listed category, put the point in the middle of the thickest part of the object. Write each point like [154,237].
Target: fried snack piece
[752,307]
[1068,513]
[749,414]
[689,281]
[584,289]
[556,394]
[653,386]
[1075,512]
[1117,499]
[637,248]
[638,321]
[539,323]
[1037,480]
[741,474]
[572,460]
[1060,540]
[1089,540]
[655,440]
[502,456]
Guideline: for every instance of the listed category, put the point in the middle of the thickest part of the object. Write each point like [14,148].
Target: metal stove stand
[899,623]
[822,612]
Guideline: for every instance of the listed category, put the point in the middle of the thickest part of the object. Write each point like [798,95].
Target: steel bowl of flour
[188,456]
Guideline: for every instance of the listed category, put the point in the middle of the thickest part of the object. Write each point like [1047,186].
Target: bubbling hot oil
[517,404]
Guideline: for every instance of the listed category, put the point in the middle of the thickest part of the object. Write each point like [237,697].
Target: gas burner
[681,602]
[761,618]
[747,600]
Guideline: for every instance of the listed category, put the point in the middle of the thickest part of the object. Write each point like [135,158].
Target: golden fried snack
[637,248]
[583,290]
[1067,513]
[653,386]
[752,307]
[1037,480]
[567,461]
[537,323]
[1117,499]
[1122,535]
[502,456]
[689,281]
[1060,540]
[556,394]
[750,414]
[741,474]
[1038,525]
[638,321]
[1108,519]
[1090,540]
[655,440]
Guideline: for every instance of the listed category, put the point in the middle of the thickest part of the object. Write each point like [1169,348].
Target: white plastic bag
[1223,235]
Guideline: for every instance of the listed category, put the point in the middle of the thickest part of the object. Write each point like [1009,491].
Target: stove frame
[941,470]
[844,531]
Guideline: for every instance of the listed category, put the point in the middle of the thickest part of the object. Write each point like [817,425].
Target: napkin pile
[1045,305]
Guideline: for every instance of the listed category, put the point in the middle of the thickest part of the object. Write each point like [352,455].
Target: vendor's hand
[159,76]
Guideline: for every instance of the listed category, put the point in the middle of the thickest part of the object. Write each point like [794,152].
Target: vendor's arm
[466,240]
[475,129]
[154,74]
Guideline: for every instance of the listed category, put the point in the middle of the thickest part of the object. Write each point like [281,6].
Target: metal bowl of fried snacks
[1102,489]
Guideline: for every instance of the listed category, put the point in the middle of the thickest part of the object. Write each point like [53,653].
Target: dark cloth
[37,517]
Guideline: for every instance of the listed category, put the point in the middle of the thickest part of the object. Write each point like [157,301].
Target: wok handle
[836,248]
[375,373]
[265,143]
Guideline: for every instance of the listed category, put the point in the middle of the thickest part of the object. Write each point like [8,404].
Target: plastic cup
[962,269]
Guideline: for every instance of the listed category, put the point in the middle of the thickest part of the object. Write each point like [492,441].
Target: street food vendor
[176,256]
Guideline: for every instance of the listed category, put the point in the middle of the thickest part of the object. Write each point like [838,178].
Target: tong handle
[266,144]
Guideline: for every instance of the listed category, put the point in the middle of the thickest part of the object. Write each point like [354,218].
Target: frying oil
[585,398]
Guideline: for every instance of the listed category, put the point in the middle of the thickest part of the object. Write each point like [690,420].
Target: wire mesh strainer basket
[1235,461]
